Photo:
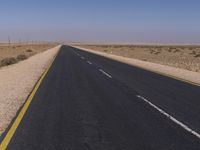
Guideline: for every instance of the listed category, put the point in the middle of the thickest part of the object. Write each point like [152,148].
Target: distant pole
[8,40]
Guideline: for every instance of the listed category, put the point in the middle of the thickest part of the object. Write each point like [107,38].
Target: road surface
[87,102]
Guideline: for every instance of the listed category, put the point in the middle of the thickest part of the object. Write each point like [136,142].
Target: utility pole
[20,41]
[9,40]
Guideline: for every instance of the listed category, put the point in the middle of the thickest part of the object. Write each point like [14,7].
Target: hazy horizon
[92,21]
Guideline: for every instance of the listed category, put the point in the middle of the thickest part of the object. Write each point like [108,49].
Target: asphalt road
[87,102]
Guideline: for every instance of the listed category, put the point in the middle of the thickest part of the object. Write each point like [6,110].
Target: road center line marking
[105,73]
[76,53]
[89,62]
[171,117]
[82,57]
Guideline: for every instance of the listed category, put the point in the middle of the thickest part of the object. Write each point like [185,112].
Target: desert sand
[13,53]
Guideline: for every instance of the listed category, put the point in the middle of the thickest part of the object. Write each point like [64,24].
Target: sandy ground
[13,50]
[178,73]
[18,80]
[184,57]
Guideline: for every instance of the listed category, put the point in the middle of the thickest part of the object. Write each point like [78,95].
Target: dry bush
[197,55]
[156,53]
[176,51]
[117,46]
[193,52]
[191,48]
[29,50]
[8,61]
[21,57]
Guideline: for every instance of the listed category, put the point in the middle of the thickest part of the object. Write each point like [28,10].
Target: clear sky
[124,21]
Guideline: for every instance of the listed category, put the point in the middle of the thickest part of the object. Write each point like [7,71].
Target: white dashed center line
[76,53]
[170,117]
[105,73]
[82,57]
[89,62]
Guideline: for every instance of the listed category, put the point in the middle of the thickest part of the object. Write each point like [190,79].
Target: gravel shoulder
[178,73]
[18,80]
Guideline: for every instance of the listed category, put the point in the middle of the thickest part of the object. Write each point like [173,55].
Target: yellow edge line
[17,121]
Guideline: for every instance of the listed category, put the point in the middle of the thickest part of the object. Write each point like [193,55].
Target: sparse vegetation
[21,57]
[29,50]
[176,51]
[8,61]
[197,55]
[12,54]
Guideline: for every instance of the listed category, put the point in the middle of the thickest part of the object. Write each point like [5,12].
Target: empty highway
[88,102]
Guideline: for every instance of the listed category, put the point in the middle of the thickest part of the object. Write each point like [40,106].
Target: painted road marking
[82,57]
[89,62]
[105,73]
[147,69]
[76,53]
[171,117]
[12,130]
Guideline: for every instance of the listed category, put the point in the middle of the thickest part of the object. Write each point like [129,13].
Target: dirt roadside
[13,53]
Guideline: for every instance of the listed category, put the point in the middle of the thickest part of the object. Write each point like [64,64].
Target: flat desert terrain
[10,54]
[184,57]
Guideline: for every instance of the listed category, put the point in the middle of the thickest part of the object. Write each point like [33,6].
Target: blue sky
[119,21]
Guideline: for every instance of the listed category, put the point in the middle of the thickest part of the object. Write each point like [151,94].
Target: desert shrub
[152,51]
[104,46]
[156,53]
[144,59]
[29,50]
[190,48]
[193,53]
[117,46]
[21,57]
[171,49]
[176,51]
[8,61]
[197,55]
